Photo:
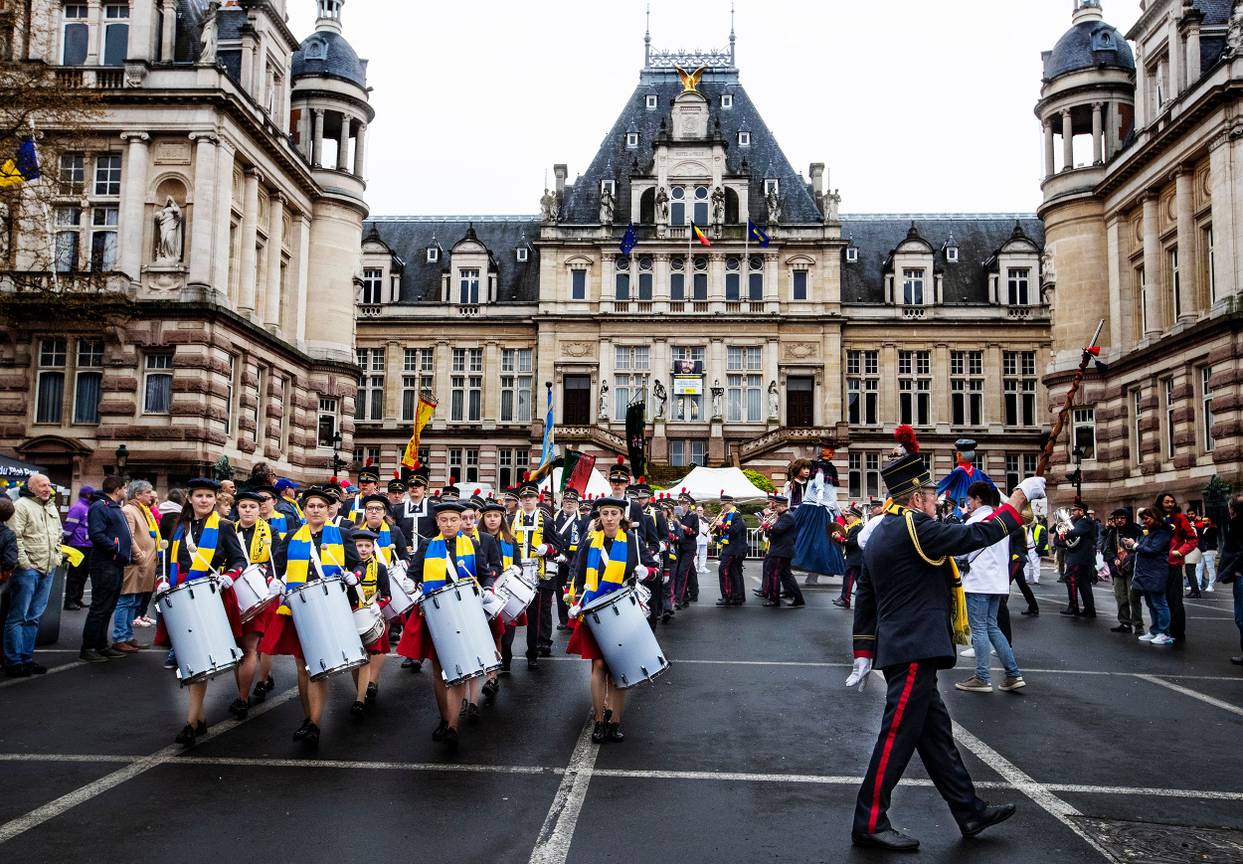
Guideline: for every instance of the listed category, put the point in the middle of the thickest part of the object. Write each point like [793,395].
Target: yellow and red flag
[422,414]
[699,235]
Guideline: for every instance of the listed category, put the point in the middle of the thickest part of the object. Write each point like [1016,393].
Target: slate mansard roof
[978,238]
[409,237]
[328,54]
[764,158]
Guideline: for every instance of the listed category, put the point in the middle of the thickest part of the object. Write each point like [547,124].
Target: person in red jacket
[1181,544]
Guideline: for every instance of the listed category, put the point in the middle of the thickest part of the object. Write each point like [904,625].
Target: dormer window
[852,254]
[316,49]
[521,253]
[744,139]
[951,254]
[652,101]
[433,254]
[771,185]
[913,287]
[727,100]
[468,286]
[610,185]
[632,139]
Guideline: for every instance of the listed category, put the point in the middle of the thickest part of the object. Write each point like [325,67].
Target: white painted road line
[51,671]
[82,794]
[1044,798]
[557,832]
[1194,694]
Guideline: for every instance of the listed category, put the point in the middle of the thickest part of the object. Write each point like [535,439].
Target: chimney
[560,172]
[817,178]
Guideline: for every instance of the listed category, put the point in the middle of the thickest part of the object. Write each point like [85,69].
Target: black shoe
[840,603]
[546,651]
[533,662]
[1069,611]
[186,736]
[506,665]
[239,708]
[799,604]
[1195,596]
[1237,661]
[757,592]
[563,627]
[262,689]
[300,733]
[894,841]
[311,738]
[490,689]
[598,734]
[472,714]
[373,693]
[771,604]
[439,733]
[1121,628]
[1088,615]
[73,606]
[613,730]
[724,602]
[992,815]
[90,655]
[112,653]
[1033,612]
[451,739]
[36,668]
[666,616]
[358,710]
[412,665]
[18,671]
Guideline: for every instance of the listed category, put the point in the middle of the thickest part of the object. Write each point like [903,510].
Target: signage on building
[688,377]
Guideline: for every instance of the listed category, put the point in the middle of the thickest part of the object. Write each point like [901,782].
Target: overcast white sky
[915,105]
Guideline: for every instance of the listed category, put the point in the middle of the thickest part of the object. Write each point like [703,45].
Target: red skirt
[231,611]
[380,645]
[280,637]
[582,642]
[416,639]
[497,626]
[259,625]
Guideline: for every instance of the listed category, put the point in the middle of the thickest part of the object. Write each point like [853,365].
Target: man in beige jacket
[139,576]
[36,522]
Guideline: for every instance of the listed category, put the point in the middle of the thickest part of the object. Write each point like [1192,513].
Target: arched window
[623,278]
[700,285]
[755,279]
[677,278]
[645,277]
[733,286]
[731,207]
[647,207]
[701,205]
[677,205]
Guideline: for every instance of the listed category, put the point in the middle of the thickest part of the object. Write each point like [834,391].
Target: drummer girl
[204,545]
[489,569]
[373,587]
[255,539]
[279,523]
[608,560]
[448,557]
[390,542]
[316,542]
[494,521]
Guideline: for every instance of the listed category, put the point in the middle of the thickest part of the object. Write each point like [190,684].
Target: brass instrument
[1062,525]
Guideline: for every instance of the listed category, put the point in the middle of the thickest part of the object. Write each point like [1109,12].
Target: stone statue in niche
[774,401]
[662,206]
[718,393]
[604,400]
[549,207]
[718,206]
[774,207]
[607,205]
[207,42]
[662,396]
[169,225]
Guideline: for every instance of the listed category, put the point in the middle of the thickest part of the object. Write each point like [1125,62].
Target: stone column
[169,31]
[1221,173]
[141,41]
[940,399]
[1193,50]
[1113,255]
[607,356]
[1188,266]
[1152,268]
[993,414]
[889,373]
[247,289]
[359,144]
[343,144]
[1177,75]
[716,280]
[94,32]
[1141,90]
[317,137]
[302,227]
[1068,141]
[276,228]
[490,411]
[202,229]
[1098,137]
[1049,157]
[133,205]
[772,278]
[222,248]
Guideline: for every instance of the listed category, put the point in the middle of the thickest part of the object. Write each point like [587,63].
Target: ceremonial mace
[1090,352]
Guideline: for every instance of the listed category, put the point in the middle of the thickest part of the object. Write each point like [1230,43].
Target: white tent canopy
[596,485]
[706,484]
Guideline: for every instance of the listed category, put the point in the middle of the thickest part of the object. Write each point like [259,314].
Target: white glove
[276,588]
[512,570]
[351,579]
[575,610]
[560,559]
[641,572]
[542,549]
[860,673]
[1033,488]
[226,581]
[407,585]
[161,588]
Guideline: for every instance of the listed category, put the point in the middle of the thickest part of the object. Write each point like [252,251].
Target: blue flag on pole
[549,450]
[754,233]
[629,241]
[23,166]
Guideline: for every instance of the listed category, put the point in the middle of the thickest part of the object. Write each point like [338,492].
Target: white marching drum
[459,628]
[251,591]
[620,629]
[326,629]
[517,590]
[399,601]
[493,602]
[199,630]
[369,623]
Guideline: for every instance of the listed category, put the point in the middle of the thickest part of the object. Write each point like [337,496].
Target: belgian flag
[699,235]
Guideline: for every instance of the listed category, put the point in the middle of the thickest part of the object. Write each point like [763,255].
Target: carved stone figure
[774,207]
[774,401]
[834,202]
[168,223]
[662,206]
[1234,33]
[718,393]
[207,42]
[607,205]
[662,395]
[549,207]
[718,206]
[604,400]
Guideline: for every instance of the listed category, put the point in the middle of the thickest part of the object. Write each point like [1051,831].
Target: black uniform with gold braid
[903,619]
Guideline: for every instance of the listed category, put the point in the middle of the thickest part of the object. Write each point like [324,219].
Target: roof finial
[731,34]
[647,37]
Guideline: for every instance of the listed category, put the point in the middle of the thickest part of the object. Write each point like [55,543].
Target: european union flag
[754,233]
[629,241]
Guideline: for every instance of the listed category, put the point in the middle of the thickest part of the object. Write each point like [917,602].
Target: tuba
[1062,524]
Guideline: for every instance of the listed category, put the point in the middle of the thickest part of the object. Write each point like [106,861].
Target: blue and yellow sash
[279,523]
[200,561]
[435,562]
[605,578]
[298,556]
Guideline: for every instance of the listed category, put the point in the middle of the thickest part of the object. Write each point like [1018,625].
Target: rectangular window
[373,285]
[622,285]
[688,407]
[733,285]
[1083,432]
[509,464]
[157,384]
[967,388]
[516,385]
[743,392]
[74,35]
[1206,407]
[68,222]
[72,173]
[645,279]
[104,239]
[915,387]
[50,398]
[1210,276]
[755,279]
[369,403]
[88,381]
[258,418]
[1137,422]
[230,397]
[1017,281]
[633,365]
[699,282]
[871,474]
[1141,280]
[417,377]
[468,286]
[464,464]
[800,285]
[108,174]
[327,428]
[578,284]
[863,387]
[116,34]
[1019,385]
[1176,285]
[913,287]
[1170,407]
[684,453]
[1019,466]
[854,474]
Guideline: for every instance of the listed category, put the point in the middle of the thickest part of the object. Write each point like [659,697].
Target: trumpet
[1062,524]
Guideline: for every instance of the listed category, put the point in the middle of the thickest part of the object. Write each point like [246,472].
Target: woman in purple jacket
[76,536]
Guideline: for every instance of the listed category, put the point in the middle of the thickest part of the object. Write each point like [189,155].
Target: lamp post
[337,462]
[122,459]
